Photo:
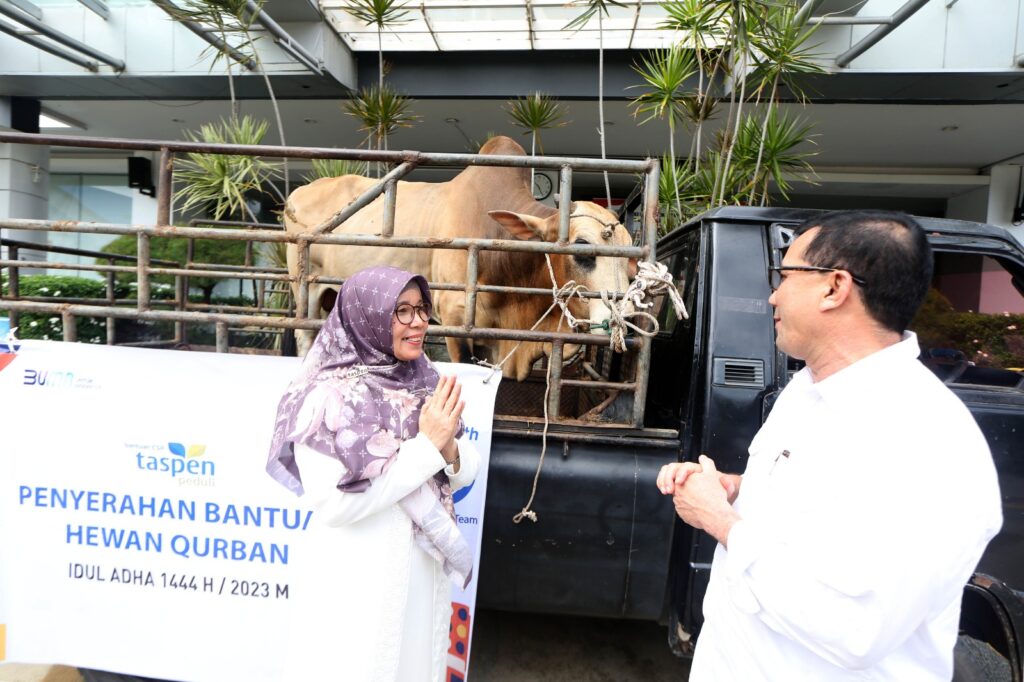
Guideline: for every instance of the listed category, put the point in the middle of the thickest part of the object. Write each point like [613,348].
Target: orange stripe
[3,642]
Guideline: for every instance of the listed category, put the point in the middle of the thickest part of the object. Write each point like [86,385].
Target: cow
[483,202]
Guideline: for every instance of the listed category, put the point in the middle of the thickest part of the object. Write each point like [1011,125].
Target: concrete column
[24,184]
[1003,194]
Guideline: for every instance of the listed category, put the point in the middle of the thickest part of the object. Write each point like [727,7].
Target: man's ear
[840,289]
[521,225]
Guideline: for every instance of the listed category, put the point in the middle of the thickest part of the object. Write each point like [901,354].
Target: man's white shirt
[866,504]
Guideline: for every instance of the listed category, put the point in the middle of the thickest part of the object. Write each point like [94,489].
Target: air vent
[737,372]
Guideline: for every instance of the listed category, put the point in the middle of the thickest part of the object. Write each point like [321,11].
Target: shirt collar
[866,372]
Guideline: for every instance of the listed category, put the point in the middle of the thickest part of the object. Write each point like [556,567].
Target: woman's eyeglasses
[405,312]
[775,273]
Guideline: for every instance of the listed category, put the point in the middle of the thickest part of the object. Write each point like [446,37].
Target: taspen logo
[186,463]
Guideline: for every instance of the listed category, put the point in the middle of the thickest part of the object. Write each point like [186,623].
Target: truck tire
[976,661]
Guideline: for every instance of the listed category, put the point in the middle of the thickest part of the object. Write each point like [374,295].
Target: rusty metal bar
[651,212]
[165,180]
[472,275]
[643,360]
[390,199]
[164,315]
[234,223]
[564,203]
[613,385]
[236,308]
[222,337]
[302,299]
[199,267]
[54,265]
[459,243]
[274,151]
[489,333]
[365,199]
[112,300]
[53,248]
[555,379]
[12,283]
[181,296]
[143,272]
[69,325]
[641,439]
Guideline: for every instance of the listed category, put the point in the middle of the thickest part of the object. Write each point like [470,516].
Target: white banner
[139,531]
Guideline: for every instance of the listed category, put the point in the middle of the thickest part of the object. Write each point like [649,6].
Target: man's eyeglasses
[405,312]
[775,273]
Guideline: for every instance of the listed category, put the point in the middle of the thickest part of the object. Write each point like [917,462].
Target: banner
[139,532]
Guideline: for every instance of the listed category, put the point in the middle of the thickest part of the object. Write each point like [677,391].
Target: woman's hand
[439,417]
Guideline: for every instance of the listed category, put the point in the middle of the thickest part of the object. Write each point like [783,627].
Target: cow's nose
[600,317]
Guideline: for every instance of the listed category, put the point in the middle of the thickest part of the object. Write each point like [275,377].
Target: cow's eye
[584,262]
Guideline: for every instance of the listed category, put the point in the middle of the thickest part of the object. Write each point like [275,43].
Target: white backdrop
[138,530]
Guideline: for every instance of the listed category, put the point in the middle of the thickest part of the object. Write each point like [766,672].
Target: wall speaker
[140,175]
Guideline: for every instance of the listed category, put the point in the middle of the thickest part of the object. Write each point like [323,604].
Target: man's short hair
[886,249]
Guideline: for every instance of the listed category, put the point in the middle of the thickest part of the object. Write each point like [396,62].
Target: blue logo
[462,492]
[184,461]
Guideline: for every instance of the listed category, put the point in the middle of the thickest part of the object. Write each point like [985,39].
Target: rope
[561,296]
[651,280]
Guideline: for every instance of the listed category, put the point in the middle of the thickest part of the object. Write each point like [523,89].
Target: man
[869,493]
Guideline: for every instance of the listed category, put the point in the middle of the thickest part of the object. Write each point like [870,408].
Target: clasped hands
[702,495]
[439,418]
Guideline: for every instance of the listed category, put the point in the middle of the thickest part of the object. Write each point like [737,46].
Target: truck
[713,380]
[606,542]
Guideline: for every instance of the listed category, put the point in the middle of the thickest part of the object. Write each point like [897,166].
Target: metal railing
[261,317]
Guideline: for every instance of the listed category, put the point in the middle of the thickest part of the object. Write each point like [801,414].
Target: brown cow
[484,202]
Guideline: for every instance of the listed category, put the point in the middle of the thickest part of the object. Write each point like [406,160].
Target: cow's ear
[632,268]
[521,226]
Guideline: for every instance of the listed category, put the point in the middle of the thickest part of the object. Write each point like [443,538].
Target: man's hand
[673,476]
[703,501]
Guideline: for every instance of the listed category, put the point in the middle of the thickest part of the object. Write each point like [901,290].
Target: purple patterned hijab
[355,402]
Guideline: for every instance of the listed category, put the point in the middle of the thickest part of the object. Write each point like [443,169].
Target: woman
[368,433]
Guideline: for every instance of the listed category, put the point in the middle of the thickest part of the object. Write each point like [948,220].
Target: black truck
[608,544]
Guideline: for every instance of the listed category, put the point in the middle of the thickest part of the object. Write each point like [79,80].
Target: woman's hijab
[355,402]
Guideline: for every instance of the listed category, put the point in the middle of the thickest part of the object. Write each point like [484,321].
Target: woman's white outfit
[386,609]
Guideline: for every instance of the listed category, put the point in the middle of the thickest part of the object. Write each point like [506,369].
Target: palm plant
[766,152]
[665,72]
[703,28]
[597,8]
[381,111]
[536,112]
[379,13]
[219,182]
[233,19]
[751,48]
[783,54]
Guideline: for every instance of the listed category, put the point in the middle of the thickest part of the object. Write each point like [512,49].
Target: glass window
[970,326]
[88,198]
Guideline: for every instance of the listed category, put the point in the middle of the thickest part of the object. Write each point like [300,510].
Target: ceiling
[918,150]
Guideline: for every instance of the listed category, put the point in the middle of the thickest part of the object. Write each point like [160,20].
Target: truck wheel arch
[991,613]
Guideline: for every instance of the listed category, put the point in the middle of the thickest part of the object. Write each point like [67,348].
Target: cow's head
[588,224]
